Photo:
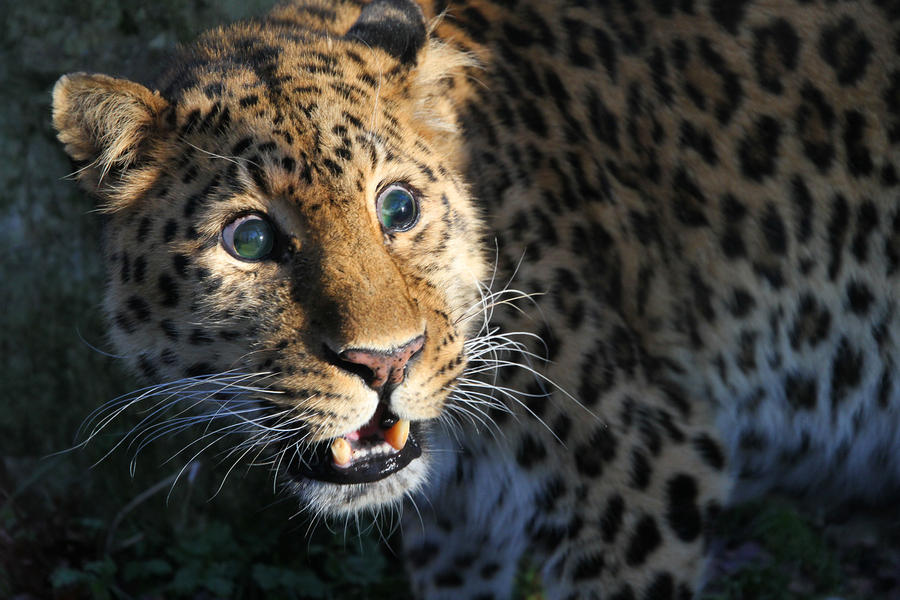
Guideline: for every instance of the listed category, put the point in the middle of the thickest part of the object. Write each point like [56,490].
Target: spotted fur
[699,200]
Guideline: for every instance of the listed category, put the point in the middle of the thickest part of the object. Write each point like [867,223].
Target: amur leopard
[571,276]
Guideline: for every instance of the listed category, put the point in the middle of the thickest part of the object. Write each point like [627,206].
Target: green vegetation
[792,559]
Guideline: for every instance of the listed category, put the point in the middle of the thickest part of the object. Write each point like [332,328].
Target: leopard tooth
[396,436]
[341,451]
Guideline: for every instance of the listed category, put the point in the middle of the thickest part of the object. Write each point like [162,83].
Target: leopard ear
[105,122]
[396,26]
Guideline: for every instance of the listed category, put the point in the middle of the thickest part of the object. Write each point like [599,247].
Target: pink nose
[385,366]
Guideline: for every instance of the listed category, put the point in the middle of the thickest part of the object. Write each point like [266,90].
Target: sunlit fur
[241,343]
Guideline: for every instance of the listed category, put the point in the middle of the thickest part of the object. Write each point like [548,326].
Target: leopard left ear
[396,26]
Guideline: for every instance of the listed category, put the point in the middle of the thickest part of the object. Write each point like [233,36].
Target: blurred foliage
[792,560]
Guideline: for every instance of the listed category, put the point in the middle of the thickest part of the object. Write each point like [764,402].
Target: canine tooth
[341,451]
[396,435]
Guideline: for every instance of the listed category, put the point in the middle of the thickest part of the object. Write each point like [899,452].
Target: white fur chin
[342,500]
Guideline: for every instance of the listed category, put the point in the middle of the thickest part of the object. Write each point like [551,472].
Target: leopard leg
[627,513]
[465,536]
[619,510]
[609,488]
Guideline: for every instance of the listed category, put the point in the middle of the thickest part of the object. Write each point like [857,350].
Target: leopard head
[289,244]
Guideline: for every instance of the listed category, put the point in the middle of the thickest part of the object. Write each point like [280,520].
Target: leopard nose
[383,366]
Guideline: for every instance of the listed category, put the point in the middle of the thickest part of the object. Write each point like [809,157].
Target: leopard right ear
[395,26]
[105,123]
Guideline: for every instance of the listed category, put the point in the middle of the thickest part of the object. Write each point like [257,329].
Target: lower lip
[321,466]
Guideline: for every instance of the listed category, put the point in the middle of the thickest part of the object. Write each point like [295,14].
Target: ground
[71,531]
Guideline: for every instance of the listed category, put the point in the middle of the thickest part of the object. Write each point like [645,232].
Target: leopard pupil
[253,239]
[398,210]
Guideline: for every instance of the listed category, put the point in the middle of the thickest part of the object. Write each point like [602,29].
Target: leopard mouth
[378,449]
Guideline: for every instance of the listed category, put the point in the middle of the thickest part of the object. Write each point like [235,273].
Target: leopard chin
[374,465]
[324,495]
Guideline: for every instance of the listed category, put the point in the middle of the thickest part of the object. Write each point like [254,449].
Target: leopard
[564,279]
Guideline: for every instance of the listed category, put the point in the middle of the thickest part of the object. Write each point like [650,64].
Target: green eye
[398,210]
[250,237]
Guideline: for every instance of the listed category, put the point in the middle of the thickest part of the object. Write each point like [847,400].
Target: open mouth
[379,448]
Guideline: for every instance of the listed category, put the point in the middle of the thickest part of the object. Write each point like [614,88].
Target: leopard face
[289,242]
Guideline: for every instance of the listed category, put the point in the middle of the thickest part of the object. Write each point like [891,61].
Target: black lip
[318,464]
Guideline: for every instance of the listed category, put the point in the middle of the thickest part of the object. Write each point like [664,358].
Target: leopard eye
[398,209]
[250,237]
